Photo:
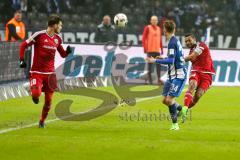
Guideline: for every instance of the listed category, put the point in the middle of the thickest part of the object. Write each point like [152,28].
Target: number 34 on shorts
[174,88]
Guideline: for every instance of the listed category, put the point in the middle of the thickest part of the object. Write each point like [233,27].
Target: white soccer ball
[120,20]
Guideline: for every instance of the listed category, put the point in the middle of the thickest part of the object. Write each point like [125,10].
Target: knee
[163,101]
[167,101]
[36,92]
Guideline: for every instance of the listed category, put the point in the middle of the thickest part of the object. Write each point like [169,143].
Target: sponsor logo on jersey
[49,47]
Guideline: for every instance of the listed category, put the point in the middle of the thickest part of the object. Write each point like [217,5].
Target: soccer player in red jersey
[201,73]
[42,73]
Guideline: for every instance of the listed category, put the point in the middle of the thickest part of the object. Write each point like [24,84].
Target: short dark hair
[18,11]
[53,19]
[169,26]
[190,34]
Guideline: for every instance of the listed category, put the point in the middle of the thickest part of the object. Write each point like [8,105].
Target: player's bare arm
[150,60]
[191,57]
[160,60]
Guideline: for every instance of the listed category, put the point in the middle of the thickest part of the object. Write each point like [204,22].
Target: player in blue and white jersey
[176,71]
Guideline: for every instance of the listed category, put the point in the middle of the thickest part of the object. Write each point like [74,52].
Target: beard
[56,31]
[189,45]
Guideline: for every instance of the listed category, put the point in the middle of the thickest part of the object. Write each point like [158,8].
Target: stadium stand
[86,14]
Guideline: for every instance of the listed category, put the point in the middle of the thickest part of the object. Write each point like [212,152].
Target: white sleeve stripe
[30,39]
[201,48]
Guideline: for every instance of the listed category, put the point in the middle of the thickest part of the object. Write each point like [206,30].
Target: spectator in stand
[157,10]
[16,4]
[15,28]
[53,6]
[237,10]
[6,10]
[24,6]
[106,31]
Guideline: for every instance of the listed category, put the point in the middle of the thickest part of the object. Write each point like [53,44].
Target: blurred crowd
[85,15]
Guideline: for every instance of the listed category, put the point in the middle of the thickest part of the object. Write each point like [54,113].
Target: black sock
[173,112]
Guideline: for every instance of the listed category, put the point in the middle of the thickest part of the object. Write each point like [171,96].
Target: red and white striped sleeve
[30,41]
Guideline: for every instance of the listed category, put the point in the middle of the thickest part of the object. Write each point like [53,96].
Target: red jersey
[45,47]
[203,63]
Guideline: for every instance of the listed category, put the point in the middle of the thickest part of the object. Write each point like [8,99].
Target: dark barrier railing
[9,62]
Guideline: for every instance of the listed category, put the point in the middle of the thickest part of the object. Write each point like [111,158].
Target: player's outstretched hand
[68,50]
[150,60]
[22,64]
[159,57]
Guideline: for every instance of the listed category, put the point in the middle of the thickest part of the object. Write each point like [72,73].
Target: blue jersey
[177,69]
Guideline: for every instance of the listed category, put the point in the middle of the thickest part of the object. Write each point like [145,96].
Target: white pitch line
[56,119]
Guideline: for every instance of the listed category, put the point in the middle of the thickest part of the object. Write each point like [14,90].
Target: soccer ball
[120,20]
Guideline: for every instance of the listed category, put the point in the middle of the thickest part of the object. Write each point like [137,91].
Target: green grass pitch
[213,132]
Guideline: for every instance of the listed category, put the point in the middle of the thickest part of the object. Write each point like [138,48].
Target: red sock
[188,99]
[47,106]
[193,102]
[191,105]
[45,111]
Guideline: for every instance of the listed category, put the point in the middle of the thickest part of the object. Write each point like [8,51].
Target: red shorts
[44,82]
[204,80]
